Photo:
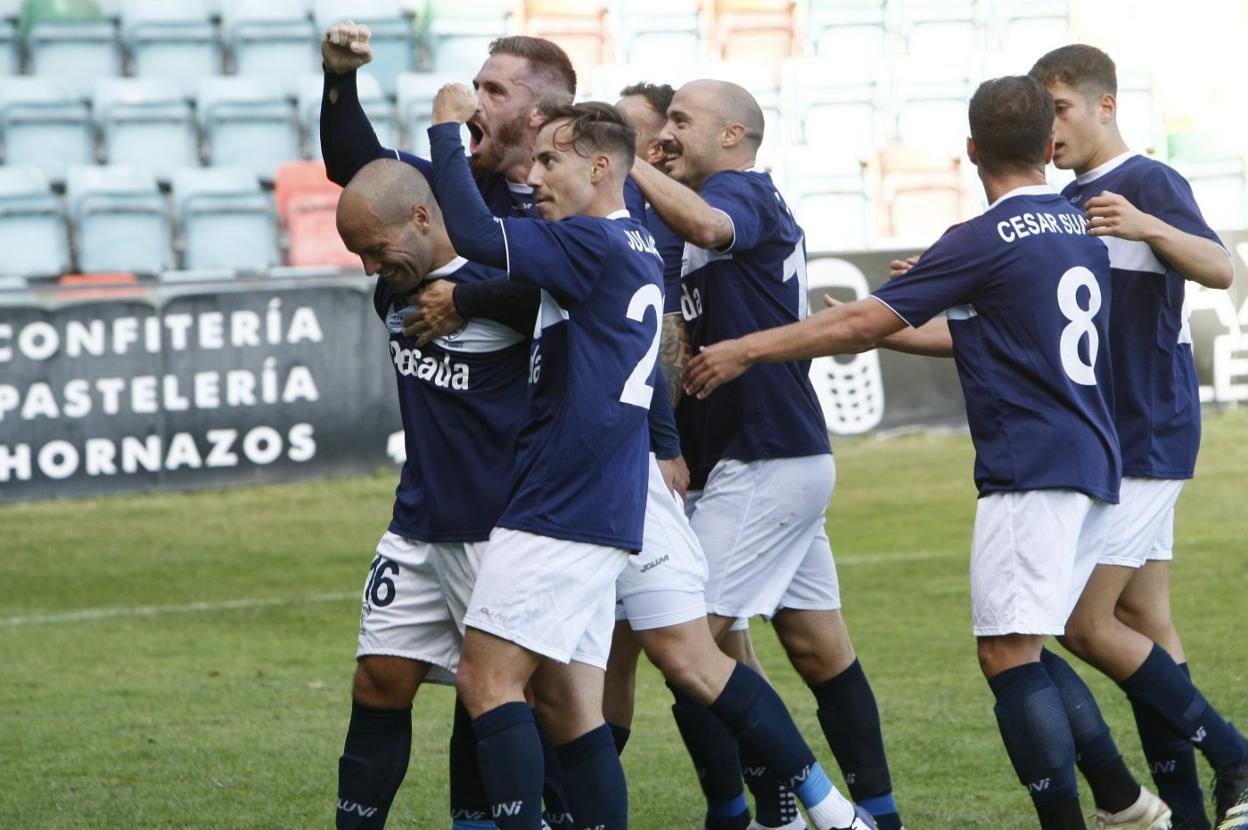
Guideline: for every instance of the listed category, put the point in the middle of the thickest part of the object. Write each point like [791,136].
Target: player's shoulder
[383,298]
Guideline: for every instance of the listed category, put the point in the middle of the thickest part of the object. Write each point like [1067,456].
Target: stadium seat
[33,233]
[227,221]
[393,38]
[174,41]
[1031,27]
[416,91]
[300,177]
[841,117]
[247,123]
[10,50]
[314,239]
[920,193]
[43,122]
[71,39]
[459,33]
[271,39]
[756,30]
[1221,190]
[850,388]
[830,202]
[1139,115]
[376,105]
[931,99]
[121,220]
[944,29]
[653,31]
[851,34]
[146,122]
[579,26]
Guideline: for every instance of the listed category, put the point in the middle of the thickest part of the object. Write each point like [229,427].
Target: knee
[384,686]
[472,686]
[999,654]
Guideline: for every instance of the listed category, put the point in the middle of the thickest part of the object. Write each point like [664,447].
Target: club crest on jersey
[443,373]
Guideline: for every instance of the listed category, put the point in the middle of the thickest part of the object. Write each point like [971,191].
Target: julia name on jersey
[1033,224]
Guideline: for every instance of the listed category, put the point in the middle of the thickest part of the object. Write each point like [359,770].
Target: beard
[508,137]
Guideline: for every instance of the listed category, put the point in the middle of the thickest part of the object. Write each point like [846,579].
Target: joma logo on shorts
[656,563]
[441,373]
[360,809]
[509,808]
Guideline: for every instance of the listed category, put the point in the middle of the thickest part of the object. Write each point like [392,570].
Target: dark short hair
[658,96]
[1011,123]
[596,127]
[544,56]
[1083,67]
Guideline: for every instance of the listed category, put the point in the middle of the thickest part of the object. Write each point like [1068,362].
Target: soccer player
[761,452]
[1145,213]
[579,145]
[1027,293]
[462,400]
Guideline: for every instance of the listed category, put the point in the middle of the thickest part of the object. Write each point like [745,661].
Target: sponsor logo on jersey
[443,373]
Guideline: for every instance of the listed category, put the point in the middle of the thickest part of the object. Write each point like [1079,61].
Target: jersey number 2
[1080,371]
[637,389]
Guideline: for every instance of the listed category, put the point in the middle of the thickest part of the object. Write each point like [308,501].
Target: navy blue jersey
[1028,296]
[582,457]
[1156,393]
[463,399]
[757,282]
[672,249]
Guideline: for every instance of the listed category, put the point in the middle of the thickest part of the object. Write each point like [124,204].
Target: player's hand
[454,103]
[675,475]
[900,266]
[345,47]
[830,301]
[435,315]
[1112,215]
[714,366]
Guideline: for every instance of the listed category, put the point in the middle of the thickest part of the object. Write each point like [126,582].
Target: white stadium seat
[33,232]
[227,221]
[43,122]
[247,122]
[121,218]
[271,39]
[145,122]
[174,41]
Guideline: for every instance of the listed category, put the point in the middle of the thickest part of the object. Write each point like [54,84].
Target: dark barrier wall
[275,380]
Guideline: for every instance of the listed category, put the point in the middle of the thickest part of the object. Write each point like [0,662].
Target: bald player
[762,457]
[463,399]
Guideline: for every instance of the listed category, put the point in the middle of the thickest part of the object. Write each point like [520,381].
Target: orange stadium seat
[300,177]
[579,27]
[920,193]
[756,30]
[314,236]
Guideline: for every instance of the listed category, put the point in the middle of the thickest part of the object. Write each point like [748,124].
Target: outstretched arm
[847,329]
[932,339]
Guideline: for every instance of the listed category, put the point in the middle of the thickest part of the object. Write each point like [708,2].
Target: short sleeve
[948,274]
[1164,193]
[734,194]
[565,258]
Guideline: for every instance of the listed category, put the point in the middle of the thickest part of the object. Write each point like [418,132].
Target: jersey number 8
[1080,371]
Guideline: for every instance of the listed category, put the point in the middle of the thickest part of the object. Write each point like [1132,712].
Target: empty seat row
[118,220]
[243,122]
[177,40]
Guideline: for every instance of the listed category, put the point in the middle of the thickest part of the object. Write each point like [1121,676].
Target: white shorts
[663,584]
[761,524]
[691,500]
[1031,555]
[1141,525]
[553,597]
[414,602]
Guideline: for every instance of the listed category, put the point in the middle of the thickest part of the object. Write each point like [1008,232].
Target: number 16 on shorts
[379,587]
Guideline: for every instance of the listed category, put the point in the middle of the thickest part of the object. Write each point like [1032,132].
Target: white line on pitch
[880,558]
[96,614]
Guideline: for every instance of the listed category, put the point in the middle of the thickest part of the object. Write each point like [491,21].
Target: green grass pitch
[184,660]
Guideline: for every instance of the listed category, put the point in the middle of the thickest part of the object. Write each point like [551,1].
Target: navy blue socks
[715,759]
[1038,739]
[1114,788]
[594,781]
[509,752]
[372,765]
[470,808]
[1172,762]
[1161,685]
[851,725]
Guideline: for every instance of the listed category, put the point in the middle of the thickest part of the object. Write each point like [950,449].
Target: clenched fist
[454,103]
[345,47]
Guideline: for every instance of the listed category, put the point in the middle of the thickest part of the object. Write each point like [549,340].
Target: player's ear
[1050,149]
[421,218]
[599,167]
[732,136]
[970,150]
[654,151]
[1107,107]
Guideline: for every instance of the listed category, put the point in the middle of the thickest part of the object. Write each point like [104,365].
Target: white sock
[832,813]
